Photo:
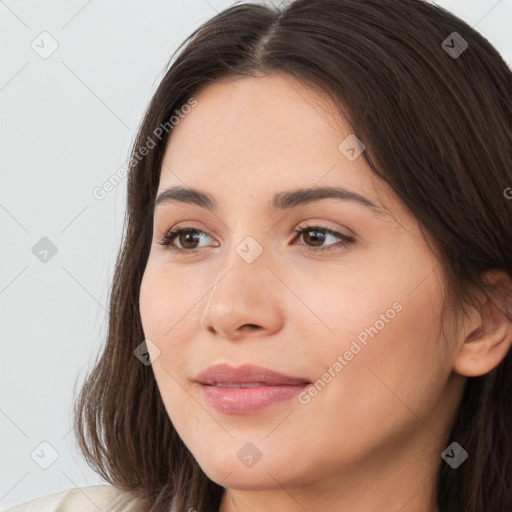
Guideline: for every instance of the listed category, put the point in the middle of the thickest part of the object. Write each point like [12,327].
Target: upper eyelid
[301,225]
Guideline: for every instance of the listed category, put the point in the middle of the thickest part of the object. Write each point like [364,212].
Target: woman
[311,309]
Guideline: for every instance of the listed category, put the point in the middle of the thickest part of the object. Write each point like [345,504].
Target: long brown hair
[437,128]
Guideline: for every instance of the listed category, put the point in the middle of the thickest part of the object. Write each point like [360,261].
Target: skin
[371,439]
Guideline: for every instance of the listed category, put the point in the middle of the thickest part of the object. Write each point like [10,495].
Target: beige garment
[95,498]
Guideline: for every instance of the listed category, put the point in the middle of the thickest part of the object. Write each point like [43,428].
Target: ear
[490,333]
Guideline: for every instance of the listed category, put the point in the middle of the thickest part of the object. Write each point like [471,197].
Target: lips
[246,389]
[247,375]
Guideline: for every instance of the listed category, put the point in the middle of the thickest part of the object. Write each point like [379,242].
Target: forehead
[254,136]
[249,108]
[255,121]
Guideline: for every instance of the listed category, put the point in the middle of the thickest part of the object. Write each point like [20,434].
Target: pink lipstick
[246,389]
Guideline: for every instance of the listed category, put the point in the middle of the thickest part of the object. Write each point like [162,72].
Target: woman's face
[355,313]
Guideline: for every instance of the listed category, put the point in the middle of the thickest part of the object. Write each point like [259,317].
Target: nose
[245,300]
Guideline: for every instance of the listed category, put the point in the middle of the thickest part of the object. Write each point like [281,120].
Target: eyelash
[169,237]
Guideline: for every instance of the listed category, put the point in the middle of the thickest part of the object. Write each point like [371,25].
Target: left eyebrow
[281,201]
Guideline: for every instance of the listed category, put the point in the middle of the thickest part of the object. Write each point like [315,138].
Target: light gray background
[67,123]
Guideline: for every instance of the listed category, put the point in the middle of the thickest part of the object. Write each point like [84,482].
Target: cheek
[170,320]
[151,305]
[165,323]
[395,364]
[165,308]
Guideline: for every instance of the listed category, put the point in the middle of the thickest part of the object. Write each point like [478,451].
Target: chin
[236,476]
[232,467]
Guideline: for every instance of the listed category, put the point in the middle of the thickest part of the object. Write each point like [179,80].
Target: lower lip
[248,400]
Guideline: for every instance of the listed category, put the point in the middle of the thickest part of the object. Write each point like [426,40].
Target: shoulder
[81,499]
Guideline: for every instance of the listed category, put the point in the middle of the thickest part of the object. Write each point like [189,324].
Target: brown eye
[313,236]
[317,235]
[188,239]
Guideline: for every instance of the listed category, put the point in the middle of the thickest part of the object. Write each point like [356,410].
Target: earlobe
[489,340]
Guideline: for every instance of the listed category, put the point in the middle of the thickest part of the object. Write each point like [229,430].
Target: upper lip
[247,373]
